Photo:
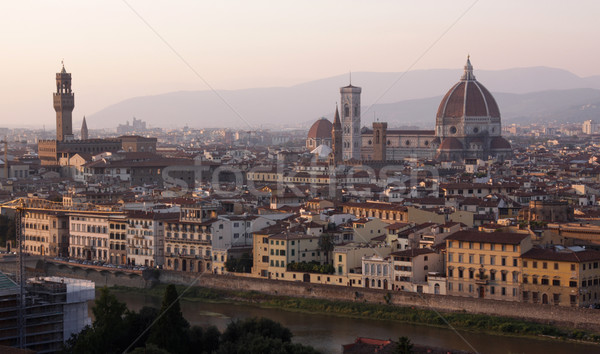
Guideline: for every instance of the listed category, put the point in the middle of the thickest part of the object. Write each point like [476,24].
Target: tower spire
[468,74]
[84,130]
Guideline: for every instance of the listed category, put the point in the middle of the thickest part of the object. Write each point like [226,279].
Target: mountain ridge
[303,103]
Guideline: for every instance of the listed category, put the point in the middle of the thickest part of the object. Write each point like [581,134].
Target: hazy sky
[113,55]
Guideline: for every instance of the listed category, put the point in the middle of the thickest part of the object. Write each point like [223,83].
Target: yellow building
[290,247]
[561,276]
[485,265]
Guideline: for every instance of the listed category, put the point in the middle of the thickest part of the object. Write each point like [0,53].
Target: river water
[327,333]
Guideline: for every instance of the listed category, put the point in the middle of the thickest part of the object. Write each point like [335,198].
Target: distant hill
[537,93]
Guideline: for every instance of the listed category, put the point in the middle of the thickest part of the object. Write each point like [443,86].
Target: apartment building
[561,276]
[485,265]
[45,232]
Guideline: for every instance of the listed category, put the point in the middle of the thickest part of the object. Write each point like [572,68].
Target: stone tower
[351,142]
[336,138]
[64,102]
[379,141]
[84,130]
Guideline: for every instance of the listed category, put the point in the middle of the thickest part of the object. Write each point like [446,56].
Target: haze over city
[115,51]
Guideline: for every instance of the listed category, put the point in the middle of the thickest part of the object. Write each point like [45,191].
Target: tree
[326,245]
[171,329]
[404,346]
[108,333]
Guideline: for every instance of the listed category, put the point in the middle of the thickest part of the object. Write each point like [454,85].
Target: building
[377,272]
[188,238]
[485,265]
[412,267]
[561,276]
[52,152]
[548,211]
[89,237]
[319,134]
[46,232]
[55,308]
[468,125]
[146,238]
[590,127]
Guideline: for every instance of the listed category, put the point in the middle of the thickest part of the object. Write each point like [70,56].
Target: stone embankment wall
[565,316]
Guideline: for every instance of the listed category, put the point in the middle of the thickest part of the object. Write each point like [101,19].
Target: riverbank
[496,325]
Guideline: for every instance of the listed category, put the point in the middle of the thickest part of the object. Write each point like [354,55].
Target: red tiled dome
[451,144]
[468,98]
[321,129]
[499,143]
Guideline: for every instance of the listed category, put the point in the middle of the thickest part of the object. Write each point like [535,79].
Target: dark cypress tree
[170,332]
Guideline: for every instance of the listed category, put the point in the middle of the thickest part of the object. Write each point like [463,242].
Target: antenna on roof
[350,72]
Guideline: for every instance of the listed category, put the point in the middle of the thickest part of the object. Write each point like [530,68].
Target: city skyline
[117,51]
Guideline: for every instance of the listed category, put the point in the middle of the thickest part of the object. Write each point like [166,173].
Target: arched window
[346,111]
[377,137]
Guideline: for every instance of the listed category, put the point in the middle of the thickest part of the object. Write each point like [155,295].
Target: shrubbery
[311,267]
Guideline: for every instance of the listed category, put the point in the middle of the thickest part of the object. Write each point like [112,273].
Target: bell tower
[64,102]
[351,141]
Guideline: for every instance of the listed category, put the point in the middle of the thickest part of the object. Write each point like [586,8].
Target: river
[327,333]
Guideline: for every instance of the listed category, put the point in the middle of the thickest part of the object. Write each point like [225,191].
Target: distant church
[468,125]
[57,152]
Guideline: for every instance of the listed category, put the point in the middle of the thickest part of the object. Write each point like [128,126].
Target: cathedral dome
[468,98]
[321,129]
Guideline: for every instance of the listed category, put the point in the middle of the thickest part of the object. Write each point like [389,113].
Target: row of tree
[118,330]
[239,265]
[311,267]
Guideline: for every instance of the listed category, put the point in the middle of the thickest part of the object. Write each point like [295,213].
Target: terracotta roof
[321,129]
[451,144]
[468,98]
[565,255]
[499,142]
[490,237]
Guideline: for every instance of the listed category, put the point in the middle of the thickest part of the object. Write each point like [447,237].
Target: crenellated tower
[64,102]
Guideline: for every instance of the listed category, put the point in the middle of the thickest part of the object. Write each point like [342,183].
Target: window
[340,258]
[492,290]
[525,281]
[481,259]
[524,264]
[492,260]
[460,258]
[503,261]
[545,281]
[555,266]
[450,256]
[450,273]
[572,284]
[471,274]
[503,291]
[460,273]
[573,267]
[503,276]
[471,258]
[515,262]
[556,282]
[545,265]
[534,264]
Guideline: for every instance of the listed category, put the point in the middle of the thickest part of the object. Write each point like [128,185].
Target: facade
[412,267]
[485,265]
[46,232]
[146,238]
[117,240]
[561,276]
[89,237]
[188,239]
[291,247]
[377,272]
